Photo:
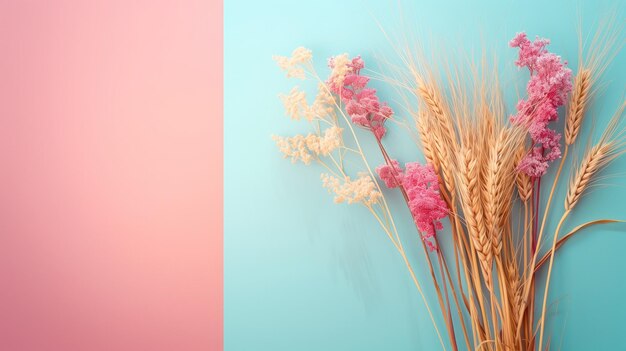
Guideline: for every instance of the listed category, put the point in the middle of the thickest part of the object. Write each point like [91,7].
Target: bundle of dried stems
[488,300]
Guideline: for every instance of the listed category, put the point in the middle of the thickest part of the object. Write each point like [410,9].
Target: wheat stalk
[469,189]
[610,146]
[578,104]
[435,102]
[522,180]
[422,124]
[605,44]
[499,182]
[598,156]
[442,131]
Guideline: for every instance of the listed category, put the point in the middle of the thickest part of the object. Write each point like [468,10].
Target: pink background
[110,178]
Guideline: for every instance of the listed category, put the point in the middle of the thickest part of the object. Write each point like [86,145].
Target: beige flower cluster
[326,144]
[361,190]
[296,106]
[293,65]
[324,103]
[340,65]
[294,147]
[305,148]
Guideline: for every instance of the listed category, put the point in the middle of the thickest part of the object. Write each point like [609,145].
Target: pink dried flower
[392,176]
[421,184]
[532,164]
[529,51]
[547,89]
[362,104]
[422,187]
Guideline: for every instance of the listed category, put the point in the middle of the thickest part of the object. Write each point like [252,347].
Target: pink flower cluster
[549,84]
[390,174]
[362,104]
[422,188]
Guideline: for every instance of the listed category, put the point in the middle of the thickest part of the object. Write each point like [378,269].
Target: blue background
[302,273]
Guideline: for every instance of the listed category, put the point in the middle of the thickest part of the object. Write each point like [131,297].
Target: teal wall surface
[302,273]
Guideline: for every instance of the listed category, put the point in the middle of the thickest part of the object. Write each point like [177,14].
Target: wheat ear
[523,181]
[434,100]
[442,131]
[469,189]
[578,104]
[499,182]
[611,145]
[422,124]
[595,159]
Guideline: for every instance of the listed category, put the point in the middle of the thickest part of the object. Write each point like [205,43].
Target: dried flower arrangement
[483,173]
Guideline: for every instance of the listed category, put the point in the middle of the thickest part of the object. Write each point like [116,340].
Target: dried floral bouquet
[484,172]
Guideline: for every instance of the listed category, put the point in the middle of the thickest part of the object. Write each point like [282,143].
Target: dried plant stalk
[578,105]
[499,183]
[592,162]
[469,189]
[611,145]
[523,181]
[422,123]
[442,131]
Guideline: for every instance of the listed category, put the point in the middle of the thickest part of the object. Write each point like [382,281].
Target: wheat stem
[545,293]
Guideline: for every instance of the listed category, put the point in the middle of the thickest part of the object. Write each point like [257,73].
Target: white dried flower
[295,104]
[293,65]
[294,147]
[362,190]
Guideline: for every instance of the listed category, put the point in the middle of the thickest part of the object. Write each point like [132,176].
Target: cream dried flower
[340,65]
[330,141]
[293,65]
[324,103]
[305,148]
[301,55]
[324,145]
[361,190]
[313,143]
[294,147]
[295,104]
